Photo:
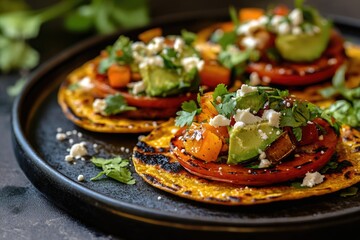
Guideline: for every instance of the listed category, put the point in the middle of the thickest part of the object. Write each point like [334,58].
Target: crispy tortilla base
[76,103]
[155,163]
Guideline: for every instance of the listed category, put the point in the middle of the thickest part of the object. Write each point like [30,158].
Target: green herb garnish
[115,168]
[347,109]
[189,37]
[116,104]
[349,192]
[189,110]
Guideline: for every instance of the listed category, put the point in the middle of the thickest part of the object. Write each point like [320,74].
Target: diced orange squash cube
[246,14]
[205,147]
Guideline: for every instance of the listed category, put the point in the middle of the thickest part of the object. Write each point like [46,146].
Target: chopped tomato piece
[309,134]
[119,76]
[282,10]
[246,14]
[150,34]
[213,74]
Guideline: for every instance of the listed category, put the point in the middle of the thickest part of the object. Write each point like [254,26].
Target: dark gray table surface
[24,212]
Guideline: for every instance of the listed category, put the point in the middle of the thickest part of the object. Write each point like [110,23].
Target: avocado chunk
[304,47]
[246,142]
[160,81]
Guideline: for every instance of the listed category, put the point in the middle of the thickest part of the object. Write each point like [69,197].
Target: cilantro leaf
[226,39]
[115,168]
[116,104]
[189,37]
[219,91]
[348,192]
[254,100]
[189,106]
[233,15]
[297,133]
[189,110]
[227,106]
[169,55]
[233,58]
[345,110]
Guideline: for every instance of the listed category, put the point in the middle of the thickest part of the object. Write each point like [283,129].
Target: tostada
[133,85]
[256,145]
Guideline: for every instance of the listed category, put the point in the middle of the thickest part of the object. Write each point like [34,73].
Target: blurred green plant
[19,23]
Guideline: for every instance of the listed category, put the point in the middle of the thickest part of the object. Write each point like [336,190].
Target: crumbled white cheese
[254,79]
[219,121]
[245,116]
[137,57]
[296,31]
[138,46]
[156,45]
[264,163]
[249,42]
[316,29]
[273,117]
[263,20]
[195,135]
[249,27]
[283,28]
[332,61]
[281,71]
[69,158]
[239,124]
[266,79]
[78,150]
[311,179]
[152,61]
[276,20]
[61,136]
[192,62]
[86,83]
[245,89]
[99,106]
[138,87]
[81,178]
[179,44]
[296,17]
[321,137]
[262,134]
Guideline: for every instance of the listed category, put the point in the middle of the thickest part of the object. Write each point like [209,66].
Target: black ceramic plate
[139,210]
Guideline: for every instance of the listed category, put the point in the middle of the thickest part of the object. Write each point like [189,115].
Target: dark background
[24,212]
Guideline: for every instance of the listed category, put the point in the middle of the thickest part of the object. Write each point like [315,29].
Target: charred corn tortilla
[77,104]
[155,163]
